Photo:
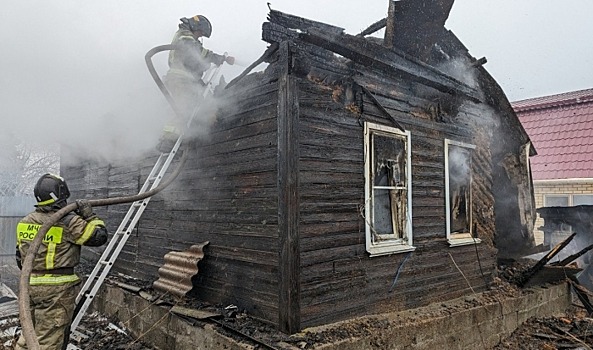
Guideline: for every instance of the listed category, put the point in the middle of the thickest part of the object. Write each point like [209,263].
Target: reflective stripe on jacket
[51,279]
[60,247]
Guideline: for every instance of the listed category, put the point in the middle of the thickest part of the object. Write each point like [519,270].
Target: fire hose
[28,328]
[155,75]
[24,299]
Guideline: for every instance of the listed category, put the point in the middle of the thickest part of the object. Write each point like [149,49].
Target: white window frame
[458,239]
[569,196]
[558,195]
[395,245]
[579,195]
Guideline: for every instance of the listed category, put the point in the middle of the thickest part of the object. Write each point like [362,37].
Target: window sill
[389,249]
[463,241]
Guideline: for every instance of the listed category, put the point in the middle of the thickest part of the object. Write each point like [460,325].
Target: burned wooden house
[354,175]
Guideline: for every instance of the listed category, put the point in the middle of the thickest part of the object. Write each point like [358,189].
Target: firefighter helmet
[198,23]
[50,189]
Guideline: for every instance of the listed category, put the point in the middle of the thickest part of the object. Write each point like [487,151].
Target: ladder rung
[123,230]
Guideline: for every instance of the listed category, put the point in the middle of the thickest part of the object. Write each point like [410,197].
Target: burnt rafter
[294,22]
[527,275]
[380,24]
[272,49]
[573,257]
[381,108]
[367,53]
[282,26]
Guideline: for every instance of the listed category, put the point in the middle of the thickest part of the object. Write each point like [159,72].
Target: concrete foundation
[465,323]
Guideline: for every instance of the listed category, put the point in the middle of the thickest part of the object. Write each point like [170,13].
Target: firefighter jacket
[60,251]
[190,59]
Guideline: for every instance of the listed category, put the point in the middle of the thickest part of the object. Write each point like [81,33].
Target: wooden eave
[301,24]
[362,51]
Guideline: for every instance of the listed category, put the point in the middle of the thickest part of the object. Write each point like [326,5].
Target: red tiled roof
[561,129]
[573,97]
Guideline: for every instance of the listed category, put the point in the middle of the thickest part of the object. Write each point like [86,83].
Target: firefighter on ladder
[187,64]
[53,285]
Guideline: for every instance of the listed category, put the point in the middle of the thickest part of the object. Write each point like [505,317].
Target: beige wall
[569,187]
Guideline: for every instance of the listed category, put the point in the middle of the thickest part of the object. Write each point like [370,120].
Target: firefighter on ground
[187,64]
[53,285]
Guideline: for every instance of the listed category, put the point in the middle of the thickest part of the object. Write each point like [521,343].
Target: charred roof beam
[381,108]
[294,22]
[361,51]
[380,24]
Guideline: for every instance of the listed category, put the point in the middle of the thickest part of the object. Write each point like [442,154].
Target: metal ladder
[120,237]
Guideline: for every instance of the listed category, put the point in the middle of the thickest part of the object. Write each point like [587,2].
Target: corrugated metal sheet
[16,206]
[179,268]
[12,210]
[562,134]
[8,239]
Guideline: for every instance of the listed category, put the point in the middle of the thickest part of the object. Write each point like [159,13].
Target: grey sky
[74,70]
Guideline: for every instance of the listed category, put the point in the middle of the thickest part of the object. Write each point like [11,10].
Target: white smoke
[76,77]
[459,159]
[460,69]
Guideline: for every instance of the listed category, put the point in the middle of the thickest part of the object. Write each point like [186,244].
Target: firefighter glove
[230,60]
[85,210]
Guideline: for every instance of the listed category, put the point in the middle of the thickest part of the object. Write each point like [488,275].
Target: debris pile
[551,333]
[97,333]
[101,334]
[573,330]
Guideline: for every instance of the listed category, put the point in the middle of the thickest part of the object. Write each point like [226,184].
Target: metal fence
[12,210]
[16,206]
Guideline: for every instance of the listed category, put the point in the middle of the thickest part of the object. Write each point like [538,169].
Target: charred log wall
[338,279]
[513,191]
[99,179]
[227,194]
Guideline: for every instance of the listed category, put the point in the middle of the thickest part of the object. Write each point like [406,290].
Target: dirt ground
[574,330]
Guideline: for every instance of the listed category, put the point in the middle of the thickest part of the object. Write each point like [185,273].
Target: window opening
[458,178]
[388,196]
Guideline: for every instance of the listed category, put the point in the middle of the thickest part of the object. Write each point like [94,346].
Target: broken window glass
[460,179]
[388,211]
[389,193]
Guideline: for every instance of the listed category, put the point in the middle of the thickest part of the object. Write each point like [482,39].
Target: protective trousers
[52,310]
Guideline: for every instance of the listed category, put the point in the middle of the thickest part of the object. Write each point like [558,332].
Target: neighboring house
[561,129]
[354,175]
